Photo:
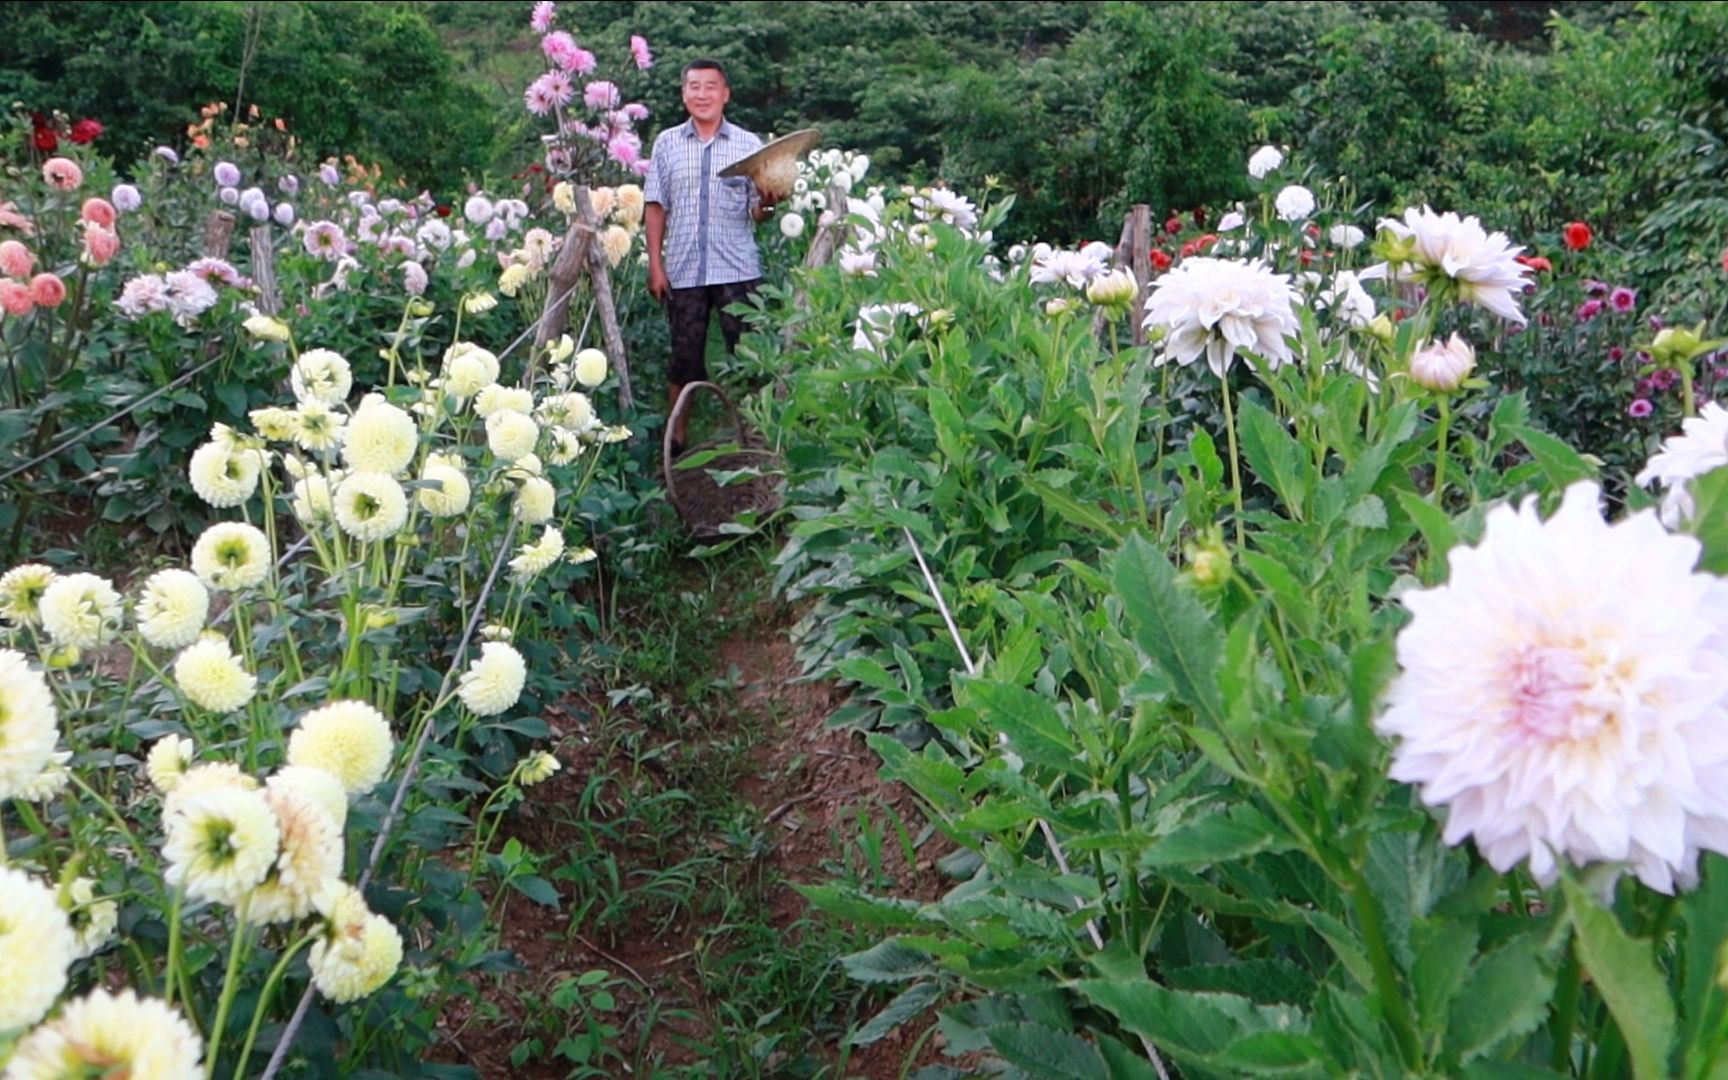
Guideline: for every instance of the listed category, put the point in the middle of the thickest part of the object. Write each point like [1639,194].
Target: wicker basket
[704,504]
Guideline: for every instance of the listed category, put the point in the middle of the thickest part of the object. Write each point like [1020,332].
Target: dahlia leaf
[1043,1051]
[903,1008]
[1710,518]
[1035,730]
[1561,464]
[1706,922]
[1505,997]
[1221,1030]
[1275,457]
[1171,627]
[1623,970]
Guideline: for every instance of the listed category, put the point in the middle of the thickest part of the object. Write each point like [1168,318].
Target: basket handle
[682,406]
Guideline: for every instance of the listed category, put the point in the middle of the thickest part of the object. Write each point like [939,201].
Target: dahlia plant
[276,685]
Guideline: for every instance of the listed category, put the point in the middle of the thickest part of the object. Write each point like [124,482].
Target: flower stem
[1235,458]
[1688,407]
[269,990]
[1393,1006]
[1443,428]
[230,983]
[1566,1012]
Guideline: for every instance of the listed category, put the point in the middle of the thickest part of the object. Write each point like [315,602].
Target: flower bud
[1115,289]
[1208,560]
[267,328]
[1381,328]
[1443,366]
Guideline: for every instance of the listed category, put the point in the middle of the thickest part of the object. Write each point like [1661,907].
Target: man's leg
[687,315]
[732,326]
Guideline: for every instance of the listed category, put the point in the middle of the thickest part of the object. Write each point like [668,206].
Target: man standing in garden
[702,255]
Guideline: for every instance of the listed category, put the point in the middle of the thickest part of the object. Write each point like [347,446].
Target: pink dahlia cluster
[604,126]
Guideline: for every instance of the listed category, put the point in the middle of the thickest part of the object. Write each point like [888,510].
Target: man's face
[706,94]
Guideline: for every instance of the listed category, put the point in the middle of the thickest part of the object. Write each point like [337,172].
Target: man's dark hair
[705,65]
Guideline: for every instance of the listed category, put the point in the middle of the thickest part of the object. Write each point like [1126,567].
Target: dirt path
[806,792]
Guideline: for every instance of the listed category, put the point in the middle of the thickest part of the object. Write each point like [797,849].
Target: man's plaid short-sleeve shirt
[710,238]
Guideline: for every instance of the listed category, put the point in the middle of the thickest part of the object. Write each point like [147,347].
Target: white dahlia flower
[29,724]
[1447,253]
[1219,307]
[323,376]
[450,498]
[224,475]
[81,610]
[172,609]
[36,947]
[209,674]
[21,590]
[357,951]
[494,682]
[381,438]
[348,739]
[1565,695]
[370,506]
[1701,447]
[221,843]
[111,1035]
[231,555]
[511,435]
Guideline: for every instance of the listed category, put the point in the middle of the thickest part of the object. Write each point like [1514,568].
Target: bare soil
[807,782]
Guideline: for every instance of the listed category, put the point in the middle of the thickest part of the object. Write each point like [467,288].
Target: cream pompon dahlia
[29,724]
[511,435]
[36,947]
[370,506]
[322,376]
[224,475]
[221,844]
[357,951]
[21,590]
[534,559]
[167,761]
[172,609]
[1565,695]
[348,739]
[494,682]
[111,1035]
[536,501]
[450,497]
[310,860]
[231,555]
[81,610]
[381,438]
[212,677]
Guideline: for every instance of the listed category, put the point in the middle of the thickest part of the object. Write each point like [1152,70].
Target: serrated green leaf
[1443,956]
[1171,627]
[1504,997]
[1435,526]
[1370,513]
[1274,455]
[1213,840]
[890,961]
[1206,459]
[1034,728]
[911,1003]
[1561,464]
[1624,971]
[1198,1027]
[1044,1052]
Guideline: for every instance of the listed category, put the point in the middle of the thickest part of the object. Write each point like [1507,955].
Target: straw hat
[774,168]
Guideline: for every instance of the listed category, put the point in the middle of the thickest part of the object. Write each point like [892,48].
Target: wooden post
[583,254]
[830,238]
[264,269]
[1140,262]
[218,234]
[1122,256]
[600,278]
[566,272]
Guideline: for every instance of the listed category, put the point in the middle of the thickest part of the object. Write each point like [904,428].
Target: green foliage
[360,79]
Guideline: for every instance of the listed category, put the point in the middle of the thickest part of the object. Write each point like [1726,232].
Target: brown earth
[807,783]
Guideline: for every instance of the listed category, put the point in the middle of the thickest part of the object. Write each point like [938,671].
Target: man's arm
[654,219]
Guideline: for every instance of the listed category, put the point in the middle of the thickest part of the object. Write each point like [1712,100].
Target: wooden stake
[218,234]
[264,269]
[1140,262]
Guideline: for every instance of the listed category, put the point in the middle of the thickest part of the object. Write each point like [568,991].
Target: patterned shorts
[688,310]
